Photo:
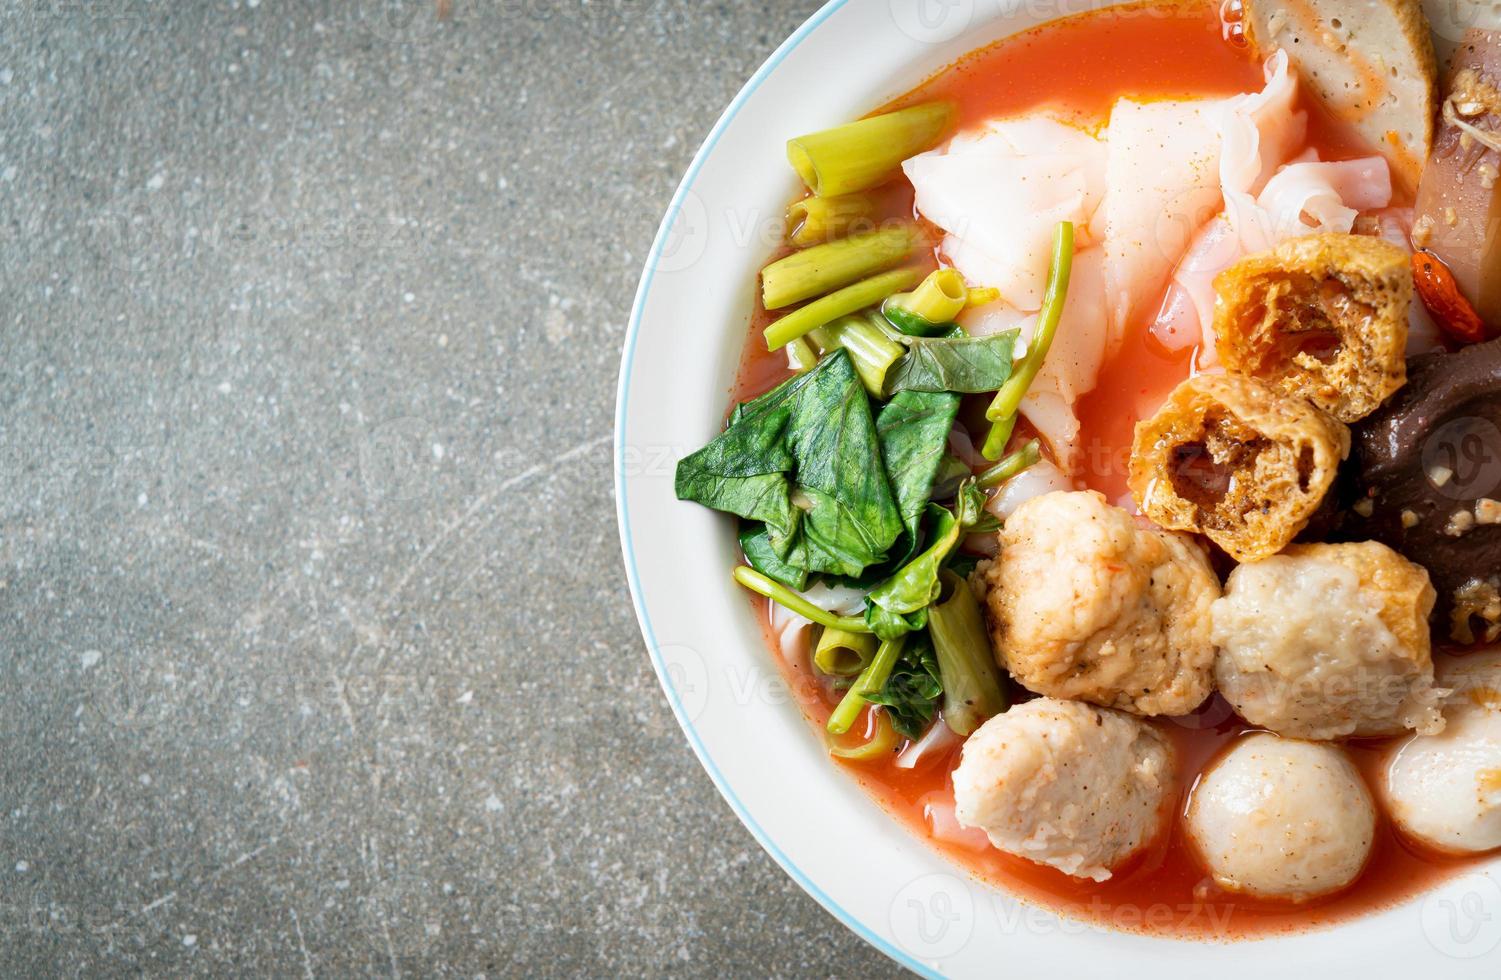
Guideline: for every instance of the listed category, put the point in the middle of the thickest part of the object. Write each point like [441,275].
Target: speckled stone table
[316,657]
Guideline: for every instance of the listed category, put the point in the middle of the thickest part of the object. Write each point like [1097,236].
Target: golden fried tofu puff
[1233,459]
[1322,317]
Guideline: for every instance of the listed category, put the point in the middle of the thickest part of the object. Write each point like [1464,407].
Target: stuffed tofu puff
[1040,459]
[1232,459]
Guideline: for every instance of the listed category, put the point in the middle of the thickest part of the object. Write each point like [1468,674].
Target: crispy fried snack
[1323,317]
[1231,458]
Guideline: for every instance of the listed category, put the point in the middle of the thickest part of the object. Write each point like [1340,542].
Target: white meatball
[1284,819]
[1445,790]
[1065,784]
[1326,641]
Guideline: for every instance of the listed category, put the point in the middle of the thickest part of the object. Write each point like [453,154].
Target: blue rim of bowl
[622,400]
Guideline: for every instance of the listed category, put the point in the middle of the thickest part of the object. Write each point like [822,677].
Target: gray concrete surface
[315,653]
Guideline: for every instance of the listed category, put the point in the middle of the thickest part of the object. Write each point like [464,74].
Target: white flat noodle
[1269,197]
[1034,481]
[1162,181]
[1259,132]
[939,738]
[1054,420]
[1189,305]
[999,193]
[789,628]
[836,599]
[994,318]
[1316,198]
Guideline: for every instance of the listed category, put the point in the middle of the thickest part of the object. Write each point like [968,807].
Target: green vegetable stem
[1008,400]
[972,689]
[825,268]
[929,309]
[882,742]
[1028,455]
[871,680]
[783,596]
[871,350]
[862,154]
[850,299]
[840,653]
[819,219]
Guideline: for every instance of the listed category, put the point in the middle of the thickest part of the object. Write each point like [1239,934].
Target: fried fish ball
[1230,458]
[1321,317]
[1065,784]
[1084,603]
[1328,641]
[1284,819]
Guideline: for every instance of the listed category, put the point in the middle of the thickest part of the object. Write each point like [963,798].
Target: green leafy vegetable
[889,625]
[853,519]
[912,690]
[969,508]
[890,605]
[913,430]
[743,470]
[962,564]
[813,434]
[961,364]
[755,542]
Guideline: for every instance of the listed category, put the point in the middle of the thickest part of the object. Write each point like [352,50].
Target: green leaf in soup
[765,498]
[755,542]
[969,508]
[961,364]
[887,625]
[912,690]
[743,470]
[852,518]
[916,584]
[805,460]
[913,430]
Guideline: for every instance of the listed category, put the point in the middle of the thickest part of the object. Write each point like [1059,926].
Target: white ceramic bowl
[681,353]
